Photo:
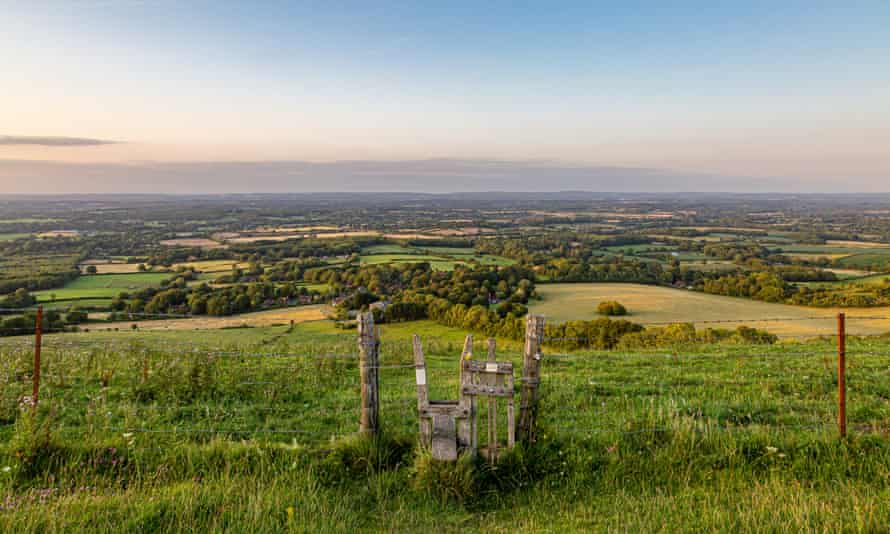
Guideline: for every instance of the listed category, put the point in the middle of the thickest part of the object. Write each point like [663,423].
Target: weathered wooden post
[423,392]
[369,368]
[38,340]
[466,427]
[531,378]
[842,374]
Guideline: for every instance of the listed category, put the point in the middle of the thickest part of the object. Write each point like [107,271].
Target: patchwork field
[652,304]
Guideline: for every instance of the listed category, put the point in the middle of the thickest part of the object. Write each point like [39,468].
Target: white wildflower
[772,450]
[7,469]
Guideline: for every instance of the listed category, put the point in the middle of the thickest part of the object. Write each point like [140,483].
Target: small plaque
[491,367]
[421,376]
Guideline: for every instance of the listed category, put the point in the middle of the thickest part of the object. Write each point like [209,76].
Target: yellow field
[813,256]
[651,304]
[301,314]
[211,266]
[199,242]
[112,268]
[857,244]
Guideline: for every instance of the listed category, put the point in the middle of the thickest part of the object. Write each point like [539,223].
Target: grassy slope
[727,456]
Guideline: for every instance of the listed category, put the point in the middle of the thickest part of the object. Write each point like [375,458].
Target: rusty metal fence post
[842,374]
[369,368]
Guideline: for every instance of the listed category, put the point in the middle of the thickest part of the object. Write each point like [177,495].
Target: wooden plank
[444,438]
[474,366]
[486,390]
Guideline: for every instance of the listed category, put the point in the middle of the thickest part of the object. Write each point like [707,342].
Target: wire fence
[285,390]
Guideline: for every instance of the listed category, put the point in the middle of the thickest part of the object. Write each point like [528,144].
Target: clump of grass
[523,465]
[33,444]
[362,456]
[446,481]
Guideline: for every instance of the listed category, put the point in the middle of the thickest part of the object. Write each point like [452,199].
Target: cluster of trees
[19,299]
[772,287]
[797,273]
[602,334]
[854,296]
[685,333]
[25,324]
[178,298]
[303,248]
[736,251]
[611,308]
[766,286]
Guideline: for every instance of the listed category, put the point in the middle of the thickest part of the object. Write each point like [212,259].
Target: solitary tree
[611,308]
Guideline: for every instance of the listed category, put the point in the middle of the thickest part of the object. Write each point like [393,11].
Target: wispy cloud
[45,140]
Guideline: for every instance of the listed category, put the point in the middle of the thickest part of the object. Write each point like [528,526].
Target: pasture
[13,237]
[254,430]
[101,286]
[652,304]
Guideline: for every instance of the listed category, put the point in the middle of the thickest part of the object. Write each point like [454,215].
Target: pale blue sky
[795,93]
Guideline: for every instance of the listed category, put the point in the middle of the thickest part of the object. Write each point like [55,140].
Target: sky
[192,96]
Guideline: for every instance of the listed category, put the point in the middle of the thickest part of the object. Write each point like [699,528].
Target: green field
[259,438]
[866,260]
[101,286]
[652,304]
[12,237]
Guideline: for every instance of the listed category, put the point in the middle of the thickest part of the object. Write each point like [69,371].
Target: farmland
[651,304]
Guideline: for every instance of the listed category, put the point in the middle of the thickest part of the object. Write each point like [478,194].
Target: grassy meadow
[101,286]
[252,430]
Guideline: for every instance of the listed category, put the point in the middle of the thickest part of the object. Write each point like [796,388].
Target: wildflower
[128,435]
[7,469]
[772,450]
[290,513]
